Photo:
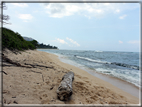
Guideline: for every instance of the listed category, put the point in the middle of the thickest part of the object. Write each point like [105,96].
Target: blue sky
[78,26]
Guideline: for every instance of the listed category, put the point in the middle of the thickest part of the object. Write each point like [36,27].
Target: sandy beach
[37,80]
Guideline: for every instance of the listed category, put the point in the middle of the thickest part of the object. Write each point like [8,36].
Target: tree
[35,43]
[4,18]
[46,46]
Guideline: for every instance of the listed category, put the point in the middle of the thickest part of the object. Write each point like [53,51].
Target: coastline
[27,86]
[119,83]
[90,60]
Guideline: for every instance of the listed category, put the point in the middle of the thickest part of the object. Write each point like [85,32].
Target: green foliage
[35,43]
[12,41]
[47,46]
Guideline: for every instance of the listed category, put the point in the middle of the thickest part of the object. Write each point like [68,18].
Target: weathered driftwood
[4,58]
[64,90]
[18,64]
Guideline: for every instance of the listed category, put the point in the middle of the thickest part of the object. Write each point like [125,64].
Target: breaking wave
[113,63]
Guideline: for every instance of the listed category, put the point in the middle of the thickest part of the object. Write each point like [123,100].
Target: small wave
[104,71]
[92,60]
[122,75]
[126,65]
[105,62]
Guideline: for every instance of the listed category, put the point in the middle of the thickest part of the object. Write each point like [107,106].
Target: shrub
[12,41]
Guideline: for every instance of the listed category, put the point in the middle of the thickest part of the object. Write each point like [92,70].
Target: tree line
[13,40]
[46,46]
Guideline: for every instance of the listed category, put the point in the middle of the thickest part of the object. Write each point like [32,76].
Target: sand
[38,84]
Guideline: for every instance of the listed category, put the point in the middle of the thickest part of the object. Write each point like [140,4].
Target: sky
[78,26]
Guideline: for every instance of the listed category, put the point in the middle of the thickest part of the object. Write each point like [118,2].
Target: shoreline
[106,77]
[65,59]
[38,84]
[119,83]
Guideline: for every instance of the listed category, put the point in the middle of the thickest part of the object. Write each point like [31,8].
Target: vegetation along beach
[76,57]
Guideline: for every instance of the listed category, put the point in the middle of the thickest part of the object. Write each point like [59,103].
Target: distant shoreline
[47,48]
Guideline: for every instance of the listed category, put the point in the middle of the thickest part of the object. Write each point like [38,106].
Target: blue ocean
[122,65]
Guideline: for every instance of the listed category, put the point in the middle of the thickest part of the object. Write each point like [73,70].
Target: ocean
[122,65]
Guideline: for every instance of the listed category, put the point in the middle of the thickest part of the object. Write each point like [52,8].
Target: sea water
[122,65]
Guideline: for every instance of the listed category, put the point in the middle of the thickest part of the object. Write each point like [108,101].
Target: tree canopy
[12,41]
[47,46]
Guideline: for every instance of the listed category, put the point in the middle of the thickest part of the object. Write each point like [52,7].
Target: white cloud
[59,10]
[134,42]
[61,41]
[122,17]
[20,4]
[25,16]
[72,41]
[120,42]
[117,10]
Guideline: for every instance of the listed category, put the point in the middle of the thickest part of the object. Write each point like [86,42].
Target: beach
[36,82]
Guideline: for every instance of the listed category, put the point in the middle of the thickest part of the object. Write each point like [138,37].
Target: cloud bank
[25,17]
[73,42]
[98,10]
[61,41]
[70,42]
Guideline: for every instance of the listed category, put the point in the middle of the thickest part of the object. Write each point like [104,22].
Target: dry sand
[38,85]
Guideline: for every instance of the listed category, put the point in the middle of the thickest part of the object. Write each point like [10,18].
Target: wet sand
[123,85]
[38,84]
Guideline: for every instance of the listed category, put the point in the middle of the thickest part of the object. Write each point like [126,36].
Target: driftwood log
[64,90]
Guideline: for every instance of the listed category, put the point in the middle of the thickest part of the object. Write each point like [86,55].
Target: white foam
[92,60]
[98,51]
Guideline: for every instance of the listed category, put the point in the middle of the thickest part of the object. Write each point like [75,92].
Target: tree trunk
[64,90]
